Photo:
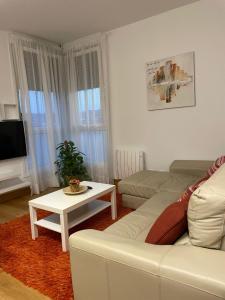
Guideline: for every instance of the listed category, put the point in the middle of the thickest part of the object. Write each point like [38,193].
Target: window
[37,109]
[43,108]
[90,107]
[38,71]
[90,126]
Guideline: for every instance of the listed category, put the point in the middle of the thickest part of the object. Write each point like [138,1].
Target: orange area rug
[41,264]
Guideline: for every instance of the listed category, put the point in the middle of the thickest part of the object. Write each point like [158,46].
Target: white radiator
[128,162]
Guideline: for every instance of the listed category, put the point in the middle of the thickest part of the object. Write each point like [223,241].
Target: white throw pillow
[206,212]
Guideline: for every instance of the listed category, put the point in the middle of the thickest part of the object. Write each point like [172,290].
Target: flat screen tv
[12,140]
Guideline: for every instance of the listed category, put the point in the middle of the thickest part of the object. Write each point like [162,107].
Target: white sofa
[117,264]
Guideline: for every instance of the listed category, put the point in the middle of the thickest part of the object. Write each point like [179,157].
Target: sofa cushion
[137,224]
[132,201]
[184,240]
[143,184]
[216,165]
[206,212]
[132,225]
[146,183]
[169,226]
[223,244]
[185,197]
[177,182]
[191,167]
[158,202]
[172,223]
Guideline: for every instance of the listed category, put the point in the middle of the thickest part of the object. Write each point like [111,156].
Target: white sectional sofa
[117,264]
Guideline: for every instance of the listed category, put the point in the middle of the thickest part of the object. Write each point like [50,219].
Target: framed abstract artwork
[171,82]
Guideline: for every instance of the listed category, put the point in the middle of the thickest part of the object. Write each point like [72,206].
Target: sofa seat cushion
[156,205]
[132,201]
[146,183]
[184,240]
[131,226]
[137,224]
[143,184]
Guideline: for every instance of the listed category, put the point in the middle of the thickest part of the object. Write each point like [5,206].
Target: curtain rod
[35,39]
[87,41]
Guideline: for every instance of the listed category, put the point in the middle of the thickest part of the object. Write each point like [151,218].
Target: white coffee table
[70,210]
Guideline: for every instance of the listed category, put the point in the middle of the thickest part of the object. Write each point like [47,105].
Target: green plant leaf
[70,163]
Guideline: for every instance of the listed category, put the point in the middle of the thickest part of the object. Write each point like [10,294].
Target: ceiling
[65,20]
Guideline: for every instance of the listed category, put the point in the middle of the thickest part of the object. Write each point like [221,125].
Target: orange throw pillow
[170,225]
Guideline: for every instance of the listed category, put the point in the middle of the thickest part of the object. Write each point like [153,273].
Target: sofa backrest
[191,167]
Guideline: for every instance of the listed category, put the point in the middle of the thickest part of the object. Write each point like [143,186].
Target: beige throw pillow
[206,212]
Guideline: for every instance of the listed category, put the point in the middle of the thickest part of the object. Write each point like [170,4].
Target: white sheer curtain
[86,76]
[38,69]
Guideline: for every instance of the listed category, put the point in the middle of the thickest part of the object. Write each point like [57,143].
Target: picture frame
[171,82]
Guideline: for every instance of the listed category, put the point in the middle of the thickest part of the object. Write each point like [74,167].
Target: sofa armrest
[111,268]
[198,273]
[191,167]
[114,268]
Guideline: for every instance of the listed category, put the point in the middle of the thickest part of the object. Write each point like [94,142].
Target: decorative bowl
[68,191]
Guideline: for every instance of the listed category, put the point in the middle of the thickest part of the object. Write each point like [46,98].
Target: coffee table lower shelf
[75,217]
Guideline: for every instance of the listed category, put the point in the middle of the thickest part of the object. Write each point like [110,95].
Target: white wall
[7,96]
[184,133]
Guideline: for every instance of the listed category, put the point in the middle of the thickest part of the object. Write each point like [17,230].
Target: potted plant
[70,163]
[74,184]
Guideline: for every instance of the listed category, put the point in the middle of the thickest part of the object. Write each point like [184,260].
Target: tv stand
[12,183]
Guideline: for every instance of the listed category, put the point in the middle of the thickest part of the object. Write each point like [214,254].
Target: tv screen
[12,139]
